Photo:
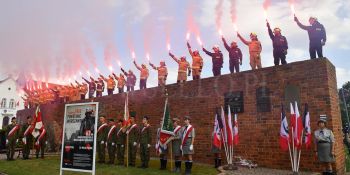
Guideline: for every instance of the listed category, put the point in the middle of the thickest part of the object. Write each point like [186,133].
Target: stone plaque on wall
[263,102]
[235,100]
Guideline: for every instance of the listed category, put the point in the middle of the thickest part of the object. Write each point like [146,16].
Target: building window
[3,103]
[5,122]
[12,104]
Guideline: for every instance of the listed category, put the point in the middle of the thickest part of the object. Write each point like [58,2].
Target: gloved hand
[191,147]
[160,151]
[17,141]
[102,142]
[7,141]
[122,146]
[188,45]
[170,54]
[24,140]
[296,19]
[268,24]
[181,147]
[189,73]
[135,144]
[240,62]
[113,143]
[46,143]
[148,145]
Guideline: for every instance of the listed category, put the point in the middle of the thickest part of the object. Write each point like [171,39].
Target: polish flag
[235,131]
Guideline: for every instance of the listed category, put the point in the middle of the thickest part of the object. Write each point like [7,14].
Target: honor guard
[217,59]
[187,141]
[162,72]
[111,141]
[144,73]
[176,144]
[40,142]
[235,55]
[162,150]
[110,83]
[102,132]
[121,138]
[92,86]
[254,50]
[197,63]
[121,82]
[145,142]
[12,134]
[133,134]
[130,80]
[317,36]
[27,137]
[280,45]
[184,66]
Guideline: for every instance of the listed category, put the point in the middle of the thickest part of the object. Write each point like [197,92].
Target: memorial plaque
[263,102]
[235,100]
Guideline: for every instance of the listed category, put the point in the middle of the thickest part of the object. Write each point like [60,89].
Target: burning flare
[168,46]
[188,35]
[199,41]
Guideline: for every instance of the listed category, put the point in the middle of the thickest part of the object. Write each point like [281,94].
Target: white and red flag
[297,126]
[235,131]
[38,123]
[216,133]
[224,129]
[229,128]
[307,127]
[284,133]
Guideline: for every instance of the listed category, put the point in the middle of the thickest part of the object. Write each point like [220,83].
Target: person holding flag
[111,141]
[12,133]
[120,141]
[40,142]
[176,144]
[133,134]
[161,149]
[145,142]
[27,137]
[102,131]
[216,141]
[187,141]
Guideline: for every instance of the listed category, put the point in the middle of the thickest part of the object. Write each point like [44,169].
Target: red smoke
[233,11]
[266,4]
[218,13]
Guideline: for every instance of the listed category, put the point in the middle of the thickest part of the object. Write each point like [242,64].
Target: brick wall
[259,132]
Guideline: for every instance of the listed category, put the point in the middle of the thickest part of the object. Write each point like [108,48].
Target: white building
[10,101]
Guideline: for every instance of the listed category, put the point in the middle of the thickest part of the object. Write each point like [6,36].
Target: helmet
[313,18]
[216,46]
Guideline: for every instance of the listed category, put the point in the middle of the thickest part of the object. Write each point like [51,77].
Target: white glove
[135,143]
[122,146]
[148,145]
[113,143]
[191,147]
[17,141]
[156,146]
[160,151]
[24,140]
[46,143]
[7,141]
[181,147]
[102,142]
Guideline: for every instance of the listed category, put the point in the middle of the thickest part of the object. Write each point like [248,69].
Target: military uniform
[255,49]
[197,63]
[120,141]
[176,144]
[235,55]
[217,60]
[12,133]
[280,47]
[101,141]
[130,80]
[111,143]
[145,144]
[27,139]
[40,143]
[133,132]
[187,136]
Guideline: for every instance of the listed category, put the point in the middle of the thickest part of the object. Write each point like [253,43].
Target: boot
[165,163]
[161,164]
[187,168]
[216,163]
[177,167]
[219,162]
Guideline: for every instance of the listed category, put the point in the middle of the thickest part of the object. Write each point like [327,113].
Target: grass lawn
[50,166]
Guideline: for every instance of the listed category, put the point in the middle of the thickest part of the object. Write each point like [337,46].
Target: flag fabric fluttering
[284,133]
[216,133]
[307,127]
[126,121]
[298,128]
[235,131]
[224,129]
[167,129]
[38,123]
[229,128]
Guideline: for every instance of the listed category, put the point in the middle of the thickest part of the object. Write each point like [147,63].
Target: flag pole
[290,155]
[225,147]
[301,137]
[293,147]
[127,150]
[171,157]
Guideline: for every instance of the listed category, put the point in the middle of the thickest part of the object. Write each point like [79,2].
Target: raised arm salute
[144,73]
[110,83]
[121,82]
[254,50]
[130,79]
[162,72]
[217,59]
[184,66]
[92,86]
[197,62]
[235,55]
[279,43]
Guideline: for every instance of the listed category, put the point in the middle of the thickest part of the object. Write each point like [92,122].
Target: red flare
[120,65]
[47,85]
[220,32]
[96,70]
[199,41]
[265,14]
[147,56]
[168,46]
[80,73]
[88,72]
[293,9]
[133,55]
[110,68]
[235,27]
[188,35]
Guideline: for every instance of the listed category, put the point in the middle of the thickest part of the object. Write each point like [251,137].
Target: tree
[344,102]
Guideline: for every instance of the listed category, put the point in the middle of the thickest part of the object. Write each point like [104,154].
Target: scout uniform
[183,67]
[162,73]
[162,151]
[197,63]
[133,133]
[40,143]
[111,143]
[254,50]
[120,141]
[176,144]
[12,133]
[102,132]
[145,144]
[144,73]
[187,136]
[324,139]
[27,139]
